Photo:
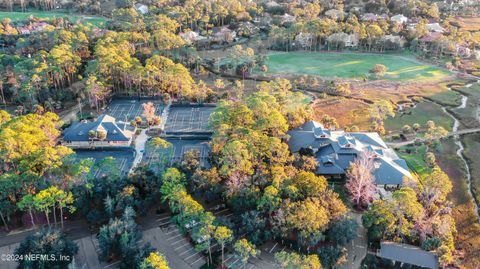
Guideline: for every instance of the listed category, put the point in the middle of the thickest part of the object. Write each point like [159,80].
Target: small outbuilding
[435,27]
[399,19]
[407,254]
[143,9]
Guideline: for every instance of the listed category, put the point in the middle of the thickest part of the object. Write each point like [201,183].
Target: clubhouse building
[335,150]
[104,132]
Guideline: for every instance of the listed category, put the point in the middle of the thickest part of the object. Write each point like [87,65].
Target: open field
[470,115]
[346,111]
[446,98]
[469,23]
[352,111]
[468,235]
[17,16]
[351,65]
[472,148]
[421,113]
[413,155]
[349,112]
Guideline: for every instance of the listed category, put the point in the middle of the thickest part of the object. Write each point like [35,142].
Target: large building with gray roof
[335,150]
[105,131]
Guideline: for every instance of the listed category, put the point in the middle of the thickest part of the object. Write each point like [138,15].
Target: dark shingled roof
[106,123]
[408,254]
[336,150]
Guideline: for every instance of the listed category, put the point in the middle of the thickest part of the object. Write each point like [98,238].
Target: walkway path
[69,115]
[140,142]
[357,249]
[142,138]
[451,134]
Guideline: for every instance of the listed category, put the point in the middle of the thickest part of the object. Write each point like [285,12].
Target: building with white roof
[399,19]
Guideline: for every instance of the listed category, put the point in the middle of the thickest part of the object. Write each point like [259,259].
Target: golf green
[351,65]
[17,16]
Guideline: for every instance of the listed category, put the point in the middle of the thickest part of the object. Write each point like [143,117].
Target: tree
[4,117]
[28,203]
[270,200]
[53,244]
[308,184]
[360,180]
[191,161]
[148,112]
[173,182]
[294,260]
[343,231]
[434,188]
[29,144]
[159,143]
[205,235]
[329,122]
[394,219]
[379,111]
[435,132]
[430,158]
[119,240]
[219,84]
[11,189]
[97,92]
[155,260]
[406,129]
[307,217]
[254,225]
[373,31]
[223,235]
[64,200]
[44,201]
[433,11]
[244,250]
[379,70]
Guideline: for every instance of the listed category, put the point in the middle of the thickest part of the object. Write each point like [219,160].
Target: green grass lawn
[415,159]
[448,98]
[351,65]
[470,114]
[18,16]
[472,147]
[422,113]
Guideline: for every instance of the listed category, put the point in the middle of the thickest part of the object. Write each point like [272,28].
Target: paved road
[140,142]
[451,134]
[9,249]
[74,229]
[357,249]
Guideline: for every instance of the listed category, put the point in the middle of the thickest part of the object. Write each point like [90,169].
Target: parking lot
[157,158]
[123,158]
[127,110]
[178,243]
[188,119]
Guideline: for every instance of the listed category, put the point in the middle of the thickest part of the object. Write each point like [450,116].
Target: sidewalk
[140,142]
[357,249]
